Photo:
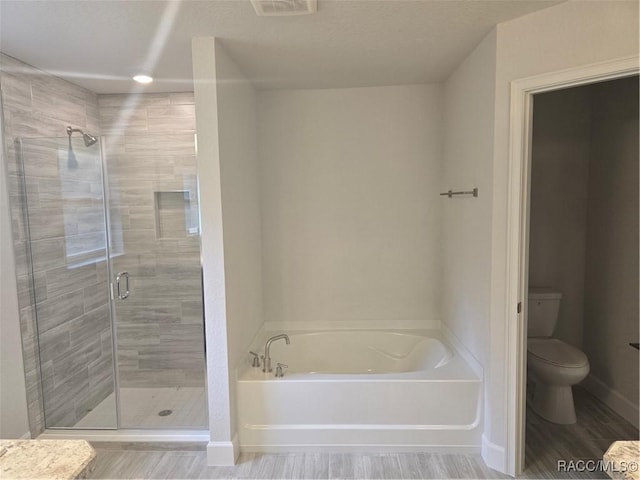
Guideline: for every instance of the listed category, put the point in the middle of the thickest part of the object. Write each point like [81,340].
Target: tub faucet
[266,366]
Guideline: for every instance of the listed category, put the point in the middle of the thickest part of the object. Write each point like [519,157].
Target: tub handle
[279,367]
[255,360]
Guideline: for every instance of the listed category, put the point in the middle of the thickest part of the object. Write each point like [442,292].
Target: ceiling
[347,43]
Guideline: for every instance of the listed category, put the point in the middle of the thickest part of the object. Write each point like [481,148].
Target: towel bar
[451,193]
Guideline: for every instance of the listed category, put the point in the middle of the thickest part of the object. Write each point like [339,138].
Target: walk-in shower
[115,279]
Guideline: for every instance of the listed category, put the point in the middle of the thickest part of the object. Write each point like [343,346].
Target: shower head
[88,138]
[88,141]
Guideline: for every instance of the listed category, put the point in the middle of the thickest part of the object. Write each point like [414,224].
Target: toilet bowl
[555,367]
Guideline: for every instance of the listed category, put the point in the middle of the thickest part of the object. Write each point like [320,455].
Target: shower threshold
[127,435]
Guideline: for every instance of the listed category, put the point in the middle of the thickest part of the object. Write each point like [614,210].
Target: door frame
[519,173]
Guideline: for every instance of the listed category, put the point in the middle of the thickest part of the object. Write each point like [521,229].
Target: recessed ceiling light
[143,79]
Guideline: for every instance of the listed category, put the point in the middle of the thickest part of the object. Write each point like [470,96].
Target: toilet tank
[543,306]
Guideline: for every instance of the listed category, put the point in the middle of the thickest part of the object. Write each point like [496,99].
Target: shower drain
[164,413]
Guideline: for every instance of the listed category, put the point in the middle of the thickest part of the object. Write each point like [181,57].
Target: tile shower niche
[176,214]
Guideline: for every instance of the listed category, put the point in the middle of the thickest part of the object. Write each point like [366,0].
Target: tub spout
[267,359]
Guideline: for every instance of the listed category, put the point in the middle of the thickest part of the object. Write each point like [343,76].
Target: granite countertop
[622,460]
[45,459]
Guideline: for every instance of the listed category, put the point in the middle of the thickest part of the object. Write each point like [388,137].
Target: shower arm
[88,138]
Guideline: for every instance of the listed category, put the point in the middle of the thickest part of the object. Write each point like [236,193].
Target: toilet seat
[556,352]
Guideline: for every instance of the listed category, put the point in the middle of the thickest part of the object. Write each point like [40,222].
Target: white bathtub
[359,353]
[354,389]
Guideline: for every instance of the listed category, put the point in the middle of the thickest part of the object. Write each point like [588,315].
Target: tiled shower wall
[73,304]
[150,155]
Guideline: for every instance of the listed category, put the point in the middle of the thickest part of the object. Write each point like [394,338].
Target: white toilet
[553,365]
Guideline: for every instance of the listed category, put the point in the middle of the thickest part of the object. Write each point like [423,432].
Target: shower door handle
[126,293]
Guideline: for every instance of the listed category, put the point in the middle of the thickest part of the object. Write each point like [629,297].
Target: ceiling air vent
[284,7]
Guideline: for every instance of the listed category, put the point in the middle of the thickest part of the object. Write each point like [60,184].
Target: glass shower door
[115,280]
[155,265]
[69,280]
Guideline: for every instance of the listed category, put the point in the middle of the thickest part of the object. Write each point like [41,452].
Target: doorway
[582,303]
[522,93]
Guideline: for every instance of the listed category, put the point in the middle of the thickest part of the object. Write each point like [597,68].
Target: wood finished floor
[547,443]
[596,429]
[193,464]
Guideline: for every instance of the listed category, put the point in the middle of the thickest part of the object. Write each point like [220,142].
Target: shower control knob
[279,367]
[255,360]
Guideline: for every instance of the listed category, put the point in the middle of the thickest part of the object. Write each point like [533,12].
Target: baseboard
[613,399]
[223,454]
[493,455]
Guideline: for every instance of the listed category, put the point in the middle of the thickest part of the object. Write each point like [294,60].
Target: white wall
[350,205]
[231,237]
[558,216]
[220,450]
[466,232]
[611,283]
[466,221]
[239,174]
[568,35]
[13,399]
